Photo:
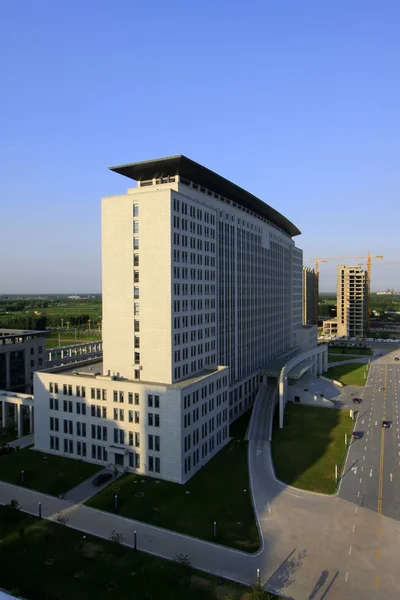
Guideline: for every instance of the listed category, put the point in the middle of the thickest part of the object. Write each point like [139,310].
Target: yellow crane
[369,264]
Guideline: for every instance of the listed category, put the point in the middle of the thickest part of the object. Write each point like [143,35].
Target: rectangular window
[66,446]
[156,401]
[130,438]
[137,440]
[157,465]
[157,443]
[78,448]
[135,226]
[137,460]
[121,396]
[157,420]
[150,400]
[51,403]
[137,399]
[150,419]
[131,455]
[130,398]
[136,210]
[83,396]
[130,416]
[121,436]
[137,416]
[83,406]
[115,436]
[151,463]
[92,393]
[104,433]
[150,444]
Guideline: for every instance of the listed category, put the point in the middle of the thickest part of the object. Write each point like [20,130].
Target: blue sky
[298,102]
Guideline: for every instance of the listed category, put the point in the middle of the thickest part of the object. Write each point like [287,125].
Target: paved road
[336,548]
[85,490]
[374,478]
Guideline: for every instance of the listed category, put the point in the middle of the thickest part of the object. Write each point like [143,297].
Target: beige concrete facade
[352,294]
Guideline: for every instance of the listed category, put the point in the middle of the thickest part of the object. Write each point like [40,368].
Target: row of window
[184,306]
[99,452]
[199,259]
[99,394]
[192,460]
[186,241]
[182,207]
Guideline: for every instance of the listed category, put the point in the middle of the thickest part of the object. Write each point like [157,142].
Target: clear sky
[296,101]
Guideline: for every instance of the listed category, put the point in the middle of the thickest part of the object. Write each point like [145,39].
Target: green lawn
[309,446]
[350,350]
[350,374]
[46,561]
[332,358]
[219,492]
[45,473]
[54,342]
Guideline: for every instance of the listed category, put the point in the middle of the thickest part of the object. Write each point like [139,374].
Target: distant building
[310,296]
[21,353]
[352,301]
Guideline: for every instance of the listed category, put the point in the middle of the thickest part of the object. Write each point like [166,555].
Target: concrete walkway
[205,556]
[85,490]
[23,442]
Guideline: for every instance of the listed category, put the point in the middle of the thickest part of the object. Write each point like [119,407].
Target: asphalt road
[372,477]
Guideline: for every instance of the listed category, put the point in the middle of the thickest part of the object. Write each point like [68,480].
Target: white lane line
[349,550]
[358,494]
[364,455]
[345,579]
[370,473]
[365,448]
[391,476]
[354,527]
[361,477]
[356,509]
[376,422]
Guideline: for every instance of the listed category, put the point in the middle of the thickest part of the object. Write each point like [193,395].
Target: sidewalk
[23,442]
[86,489]
[206,556]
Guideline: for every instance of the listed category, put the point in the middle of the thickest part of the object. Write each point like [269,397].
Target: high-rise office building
[202,287]
[310,296]
[352,294]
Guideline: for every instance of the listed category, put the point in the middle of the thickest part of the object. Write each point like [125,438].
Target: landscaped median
[219,492]
[53,475]
[309,446]
[349,374]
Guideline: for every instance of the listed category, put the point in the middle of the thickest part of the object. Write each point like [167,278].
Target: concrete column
[31,419]
[282,395]
[18,414]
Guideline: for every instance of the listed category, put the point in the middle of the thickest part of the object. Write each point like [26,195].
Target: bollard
[116,501]
[134,540]
[258,574]
[40,510]
[22,476]
[215,528]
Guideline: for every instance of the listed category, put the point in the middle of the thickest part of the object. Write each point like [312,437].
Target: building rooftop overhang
[192,171]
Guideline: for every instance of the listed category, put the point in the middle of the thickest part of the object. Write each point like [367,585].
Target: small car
[101,479]
[381,389]
[357,400]
[396,358]
[386,424]
[357,435]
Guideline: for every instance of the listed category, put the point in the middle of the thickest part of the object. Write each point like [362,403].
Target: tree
[259,593]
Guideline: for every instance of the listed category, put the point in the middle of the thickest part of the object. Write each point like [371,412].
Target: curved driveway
[316,546]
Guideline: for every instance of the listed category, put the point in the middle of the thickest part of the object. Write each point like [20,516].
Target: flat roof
[92,367]
[193,171]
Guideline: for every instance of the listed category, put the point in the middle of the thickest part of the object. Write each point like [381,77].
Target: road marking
[364,455]
[349,550]
[378,553]
[354,527]
[381,462]
[358,494]
[391,476]
[376,581]
[360,479]
[376,422]
[269,508]
[365,448]
[370,473]
[362,422]
[346,576]
[356,509]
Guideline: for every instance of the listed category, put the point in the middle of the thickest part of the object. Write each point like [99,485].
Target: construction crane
[369,264]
